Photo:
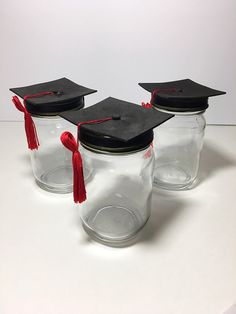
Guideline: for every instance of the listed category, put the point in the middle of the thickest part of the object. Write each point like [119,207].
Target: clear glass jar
[177,147]
[51,162]
[119,188]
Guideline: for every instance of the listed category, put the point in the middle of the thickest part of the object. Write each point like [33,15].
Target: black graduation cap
[63,94]
[182,95]
[124,126]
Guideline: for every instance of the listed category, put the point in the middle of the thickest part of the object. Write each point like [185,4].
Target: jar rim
[45,110]
[113,145]
[105,152]
[180,113]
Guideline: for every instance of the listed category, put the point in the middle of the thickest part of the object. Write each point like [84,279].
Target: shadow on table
[166,209]
[25,169]
[170,204]
[211,161]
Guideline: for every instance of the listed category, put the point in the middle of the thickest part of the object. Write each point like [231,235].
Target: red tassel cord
[160,90]
[70,143]
[30,129]
[154,94]
[147,105]
[92,121]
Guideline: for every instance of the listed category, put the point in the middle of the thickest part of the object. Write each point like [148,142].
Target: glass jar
[42,104]
[113,163]
[119,188]
[51,162]
[177,147]
[178,142]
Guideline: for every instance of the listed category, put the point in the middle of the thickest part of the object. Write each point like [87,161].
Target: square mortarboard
[130,127]
[65,95]
[182,95]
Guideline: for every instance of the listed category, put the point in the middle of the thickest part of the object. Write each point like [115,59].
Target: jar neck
[178,113]
[99,151]
[56,117]
[103,143]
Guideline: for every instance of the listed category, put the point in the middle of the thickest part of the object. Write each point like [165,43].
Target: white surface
[232,310]
[184,261]
[113,45]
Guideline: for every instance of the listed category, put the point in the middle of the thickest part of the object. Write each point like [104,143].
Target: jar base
[114,226]
[172,177]
[58,180]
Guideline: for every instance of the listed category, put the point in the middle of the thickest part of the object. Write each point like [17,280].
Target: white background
[112,45]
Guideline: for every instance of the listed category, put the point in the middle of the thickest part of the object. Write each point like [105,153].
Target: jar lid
[53,97]
[180,96]
[116,126]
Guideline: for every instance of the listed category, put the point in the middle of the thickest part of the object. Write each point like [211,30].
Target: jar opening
[50,110]
[180,113]
[106,144]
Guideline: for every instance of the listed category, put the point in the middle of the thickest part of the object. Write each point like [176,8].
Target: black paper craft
[182,95]
[64,95]
[129,128]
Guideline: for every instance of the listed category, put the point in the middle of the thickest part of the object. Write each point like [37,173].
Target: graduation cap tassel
[147,105]
[30,129]
[70,143]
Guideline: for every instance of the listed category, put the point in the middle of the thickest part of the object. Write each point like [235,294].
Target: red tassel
[147,105]
[79,191]
[69,142]
[30,130]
